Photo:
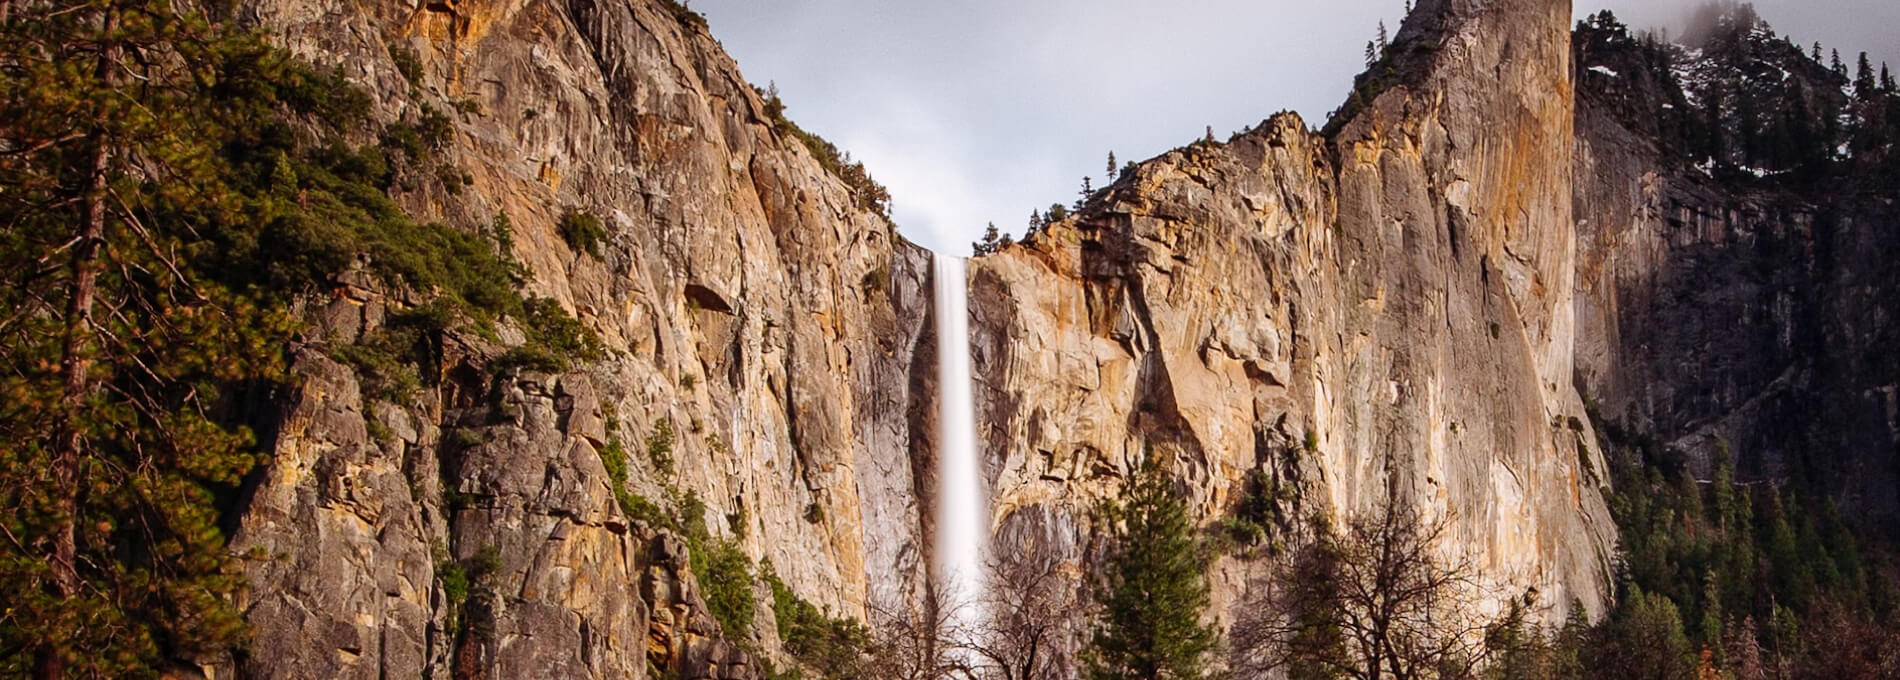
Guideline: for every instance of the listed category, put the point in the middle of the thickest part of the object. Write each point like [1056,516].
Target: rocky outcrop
[749,303]
[1382,312]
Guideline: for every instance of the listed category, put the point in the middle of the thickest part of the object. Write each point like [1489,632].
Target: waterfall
[963,528]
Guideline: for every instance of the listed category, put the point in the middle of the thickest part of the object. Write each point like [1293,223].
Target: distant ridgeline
[1738,101]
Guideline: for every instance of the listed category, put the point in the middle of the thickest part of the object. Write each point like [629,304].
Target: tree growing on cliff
[1374,601]
[1152,590]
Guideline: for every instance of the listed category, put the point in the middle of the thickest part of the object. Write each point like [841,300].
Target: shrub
[408,63]
[830,646]
[383,366]
[555,340]
[583,232]
[687,18]
[660,445]
[725,579]
[1232,534]
[875,281]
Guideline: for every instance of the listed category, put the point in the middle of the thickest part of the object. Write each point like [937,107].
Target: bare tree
[1371,603]
[917,643]
[1030,617]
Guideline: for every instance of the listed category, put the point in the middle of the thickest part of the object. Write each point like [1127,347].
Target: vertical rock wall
[745,298]
[1383,311]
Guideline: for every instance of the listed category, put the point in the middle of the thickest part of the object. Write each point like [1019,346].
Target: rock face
[1385,311]
[749,305]
[1739,314]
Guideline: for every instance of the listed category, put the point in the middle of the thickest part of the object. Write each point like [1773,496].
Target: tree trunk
[75,362]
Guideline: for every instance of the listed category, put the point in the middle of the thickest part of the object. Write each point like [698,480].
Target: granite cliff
[1381,312]
[761,321]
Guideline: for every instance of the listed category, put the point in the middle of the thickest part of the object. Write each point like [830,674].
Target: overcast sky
[977,111]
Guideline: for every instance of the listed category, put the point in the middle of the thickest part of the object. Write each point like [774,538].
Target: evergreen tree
[774,107]
[1372,52]
[1154,590]
[162,215]
[122,347]
[1865,83]
[1839,68]
[1382,37]
[1817,52]
[1518,649]
[1035,221]
[1886,79]
[992,242]
[1570,649]
[1113,168]
[1646,641]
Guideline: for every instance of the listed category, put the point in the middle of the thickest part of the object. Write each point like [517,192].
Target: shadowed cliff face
[1721,312]
[1398,294]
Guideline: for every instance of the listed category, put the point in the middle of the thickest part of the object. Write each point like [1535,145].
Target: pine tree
[116,346]
[1865,82]
[161,215]
[774,107]
[1371,54]
[1154,590]
[1646,640]
[992,242]
[1817,52]
[1839,68]
[1113,168]
[1035,221]
[1571,647]
[1382,37]
[1886,79]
